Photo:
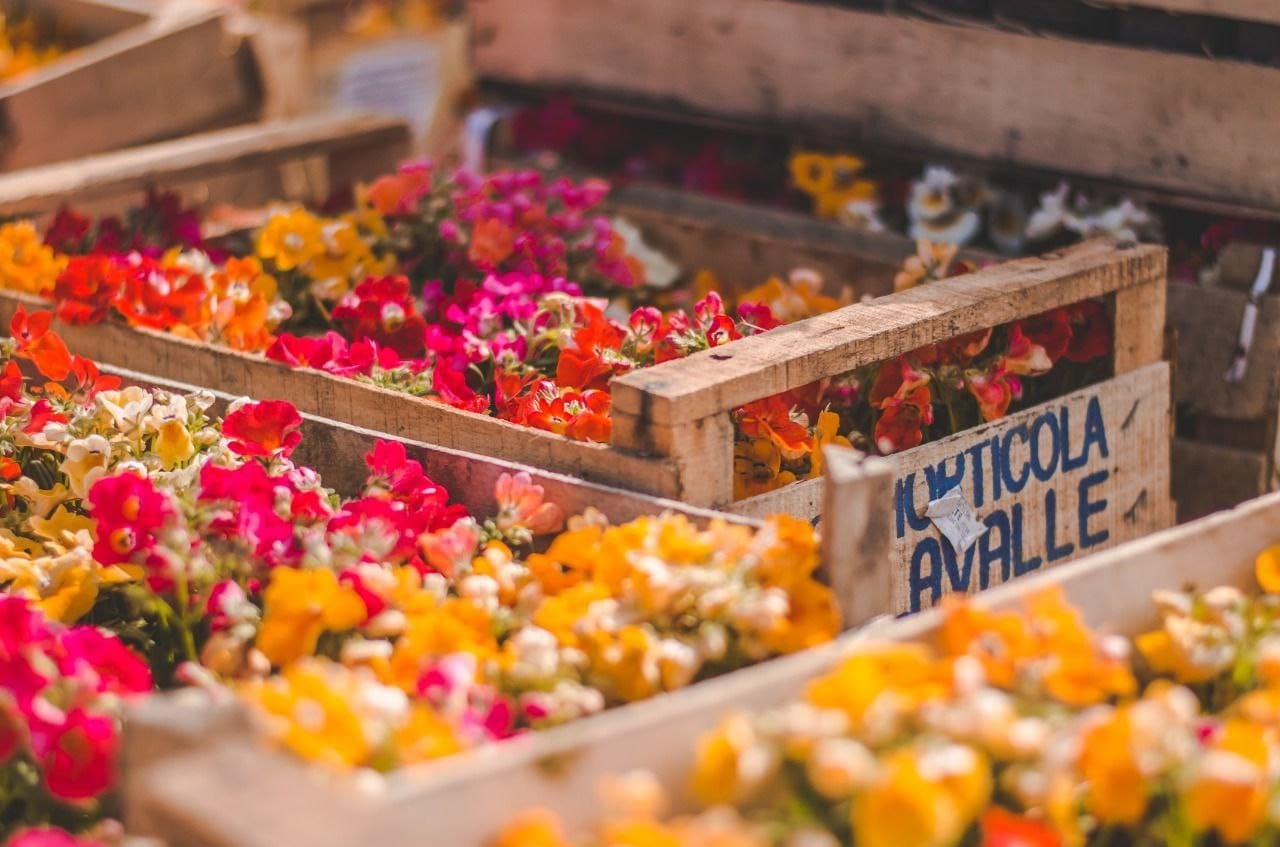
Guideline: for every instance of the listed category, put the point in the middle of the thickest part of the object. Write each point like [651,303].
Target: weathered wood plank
[1207,320]
[1123,114]
[169,75]
[1208,478]
[1261,11]
[715,381]
[201,156]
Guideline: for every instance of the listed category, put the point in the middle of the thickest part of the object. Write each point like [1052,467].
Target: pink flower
[102,661]
[130,512]
[450,550]
[263,429]
[77,752]
[522,505]
[49,836]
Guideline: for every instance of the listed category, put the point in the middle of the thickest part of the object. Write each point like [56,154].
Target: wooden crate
[1121,114]
[205,796]
[854,554]
[673,434]
[1228,440]
[148,71]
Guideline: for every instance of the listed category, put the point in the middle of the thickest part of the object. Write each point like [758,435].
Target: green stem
[184,602]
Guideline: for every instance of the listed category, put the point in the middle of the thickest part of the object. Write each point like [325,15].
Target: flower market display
[146,543]
[509,295]
[1012,728]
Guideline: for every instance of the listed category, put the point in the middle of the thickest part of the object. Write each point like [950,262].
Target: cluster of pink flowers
[59,708]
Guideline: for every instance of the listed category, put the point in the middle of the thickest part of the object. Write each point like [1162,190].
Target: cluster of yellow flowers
[332,253]
[26,264]
[1023,728]
[607,615]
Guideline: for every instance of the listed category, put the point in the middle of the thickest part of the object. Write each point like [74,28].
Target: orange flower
[39,344]
[901,426]
[993,393]
[896,379]
[492,242]
[1117,788]
[771,419]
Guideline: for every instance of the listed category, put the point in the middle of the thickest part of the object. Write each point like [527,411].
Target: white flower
[1050,216]
[838,767]
[659,271]
[126,407]
[537,654]
[958,227]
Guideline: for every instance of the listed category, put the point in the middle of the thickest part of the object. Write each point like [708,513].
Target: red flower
[593,359]
[87,285]
[263,429]
[298,352]
[11,382]
[1024,357]
[901,426]
[89,379]
[450,385]
[68,231]
[1001,828]
[42,413]
[40,344]
[758,316]
[77,753]
[1051,330]
[993,392]
[580,415]
[896,380]
[130,512]
[1091,335]
[382,309]
[9,469]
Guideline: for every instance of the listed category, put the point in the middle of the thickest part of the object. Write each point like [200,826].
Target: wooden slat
[715,381]
[206,797]
[1207,320]
[169,76]
[201,156]
[1127,115]
[1261,11]
[359,404]
[1208,478]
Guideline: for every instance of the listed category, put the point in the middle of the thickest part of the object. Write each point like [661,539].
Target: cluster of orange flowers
[1018,728]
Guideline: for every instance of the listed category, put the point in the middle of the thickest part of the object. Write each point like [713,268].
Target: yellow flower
[1230,788]
[312,703]
[173,444]
[455,626]
[26,264]
[424,736]
[64,529]
[1117,788]
[1267,569]
[909,671]
[299,605]
[291,239]
[534,828]
[63,587]
[826,432]
[641,834]
[719,774]
[812,619]
[922,799]
[86,461]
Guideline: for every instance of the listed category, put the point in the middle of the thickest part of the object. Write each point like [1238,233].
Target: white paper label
[955,518]
[399,78]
